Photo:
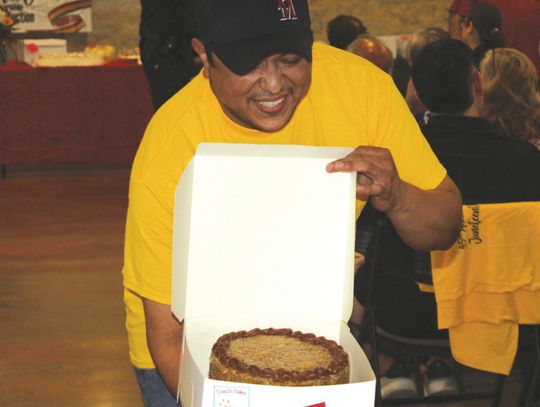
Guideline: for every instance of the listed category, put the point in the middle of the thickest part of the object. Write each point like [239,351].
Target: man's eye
[290,59]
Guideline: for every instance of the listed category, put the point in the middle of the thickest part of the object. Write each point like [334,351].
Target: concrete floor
[62,340]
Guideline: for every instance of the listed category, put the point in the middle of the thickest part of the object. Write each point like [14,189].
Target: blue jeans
[153,389]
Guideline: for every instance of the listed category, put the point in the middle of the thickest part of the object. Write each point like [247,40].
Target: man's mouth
[271,106]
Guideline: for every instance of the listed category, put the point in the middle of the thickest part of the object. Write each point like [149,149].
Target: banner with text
[54,16]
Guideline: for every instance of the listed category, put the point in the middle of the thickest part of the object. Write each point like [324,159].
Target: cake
[66,59]
[104,52]
[278,357]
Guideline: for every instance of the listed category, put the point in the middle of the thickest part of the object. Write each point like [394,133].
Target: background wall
[382,17]
[116,21]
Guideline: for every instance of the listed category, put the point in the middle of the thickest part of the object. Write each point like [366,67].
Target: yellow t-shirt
[350,103]
[489,282]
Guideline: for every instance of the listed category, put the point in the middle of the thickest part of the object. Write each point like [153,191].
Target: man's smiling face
[265,98]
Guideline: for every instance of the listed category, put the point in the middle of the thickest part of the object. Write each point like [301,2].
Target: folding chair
[415,348]
[488,285]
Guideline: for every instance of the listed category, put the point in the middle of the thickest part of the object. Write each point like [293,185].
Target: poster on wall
[54,16]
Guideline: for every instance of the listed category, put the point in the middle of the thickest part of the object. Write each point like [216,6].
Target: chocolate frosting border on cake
[340,358]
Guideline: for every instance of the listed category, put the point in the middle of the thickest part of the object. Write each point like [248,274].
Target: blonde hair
[511,99]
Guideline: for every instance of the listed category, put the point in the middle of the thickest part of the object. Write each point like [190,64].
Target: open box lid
[264,230]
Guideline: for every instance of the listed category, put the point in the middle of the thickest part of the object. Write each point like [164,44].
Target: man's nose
[271,78]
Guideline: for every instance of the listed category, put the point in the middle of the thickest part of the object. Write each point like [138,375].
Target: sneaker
[397,383]
[440,379]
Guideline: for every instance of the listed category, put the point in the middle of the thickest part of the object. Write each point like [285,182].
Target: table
[81,115]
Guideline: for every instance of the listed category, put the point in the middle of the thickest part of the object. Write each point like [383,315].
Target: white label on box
[231,396]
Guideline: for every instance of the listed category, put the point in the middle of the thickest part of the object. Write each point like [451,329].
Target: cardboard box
[264,237]
[29,49]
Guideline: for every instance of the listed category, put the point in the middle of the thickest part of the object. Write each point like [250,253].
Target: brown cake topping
[280,357]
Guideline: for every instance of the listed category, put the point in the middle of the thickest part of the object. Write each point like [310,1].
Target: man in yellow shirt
[264,81]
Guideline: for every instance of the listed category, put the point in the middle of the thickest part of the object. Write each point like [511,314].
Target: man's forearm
[428,220]
[164,337]
[166,356]
[425,220]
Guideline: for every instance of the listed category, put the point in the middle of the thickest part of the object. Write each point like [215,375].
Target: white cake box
[264,237]
[28,49]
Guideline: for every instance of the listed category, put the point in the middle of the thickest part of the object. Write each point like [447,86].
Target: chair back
[387,256]
[488,283]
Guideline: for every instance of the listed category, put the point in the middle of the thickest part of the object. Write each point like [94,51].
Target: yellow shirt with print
[350,103]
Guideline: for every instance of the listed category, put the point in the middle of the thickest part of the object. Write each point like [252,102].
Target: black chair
[386,251]
[530,392]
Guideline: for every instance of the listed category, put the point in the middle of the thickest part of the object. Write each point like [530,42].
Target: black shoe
[397,383]
[440,379]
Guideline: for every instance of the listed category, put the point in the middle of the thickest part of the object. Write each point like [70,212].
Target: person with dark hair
[482,30]
[417,42]
[443,81]
[264,81]
[487,167]
[166,30]
[344,29]
[421,38]
[402,65]
[520,23]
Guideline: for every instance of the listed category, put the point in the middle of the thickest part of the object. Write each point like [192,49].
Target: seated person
[487,167]
[418,41]
[401,72]
[374,50]
[343,29]
[511,99]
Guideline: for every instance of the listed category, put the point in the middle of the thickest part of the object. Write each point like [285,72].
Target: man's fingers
[370,180]
[339,165]
[375,168]
[349,164]
[363,179]
[367,190]
[362,197]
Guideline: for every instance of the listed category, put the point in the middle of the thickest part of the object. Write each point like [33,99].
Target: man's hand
[425,220]
[377,178]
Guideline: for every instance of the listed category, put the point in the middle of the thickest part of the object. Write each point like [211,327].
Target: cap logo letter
[286,10]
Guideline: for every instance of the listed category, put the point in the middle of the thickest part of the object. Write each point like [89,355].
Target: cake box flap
[264,230]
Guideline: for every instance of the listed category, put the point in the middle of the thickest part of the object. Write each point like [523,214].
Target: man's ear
[199,48]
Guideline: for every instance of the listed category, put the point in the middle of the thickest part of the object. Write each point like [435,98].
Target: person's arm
[164,337]
[425,220]
[454,27]
[458,9]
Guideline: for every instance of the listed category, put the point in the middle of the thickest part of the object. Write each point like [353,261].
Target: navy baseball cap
[244,32]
